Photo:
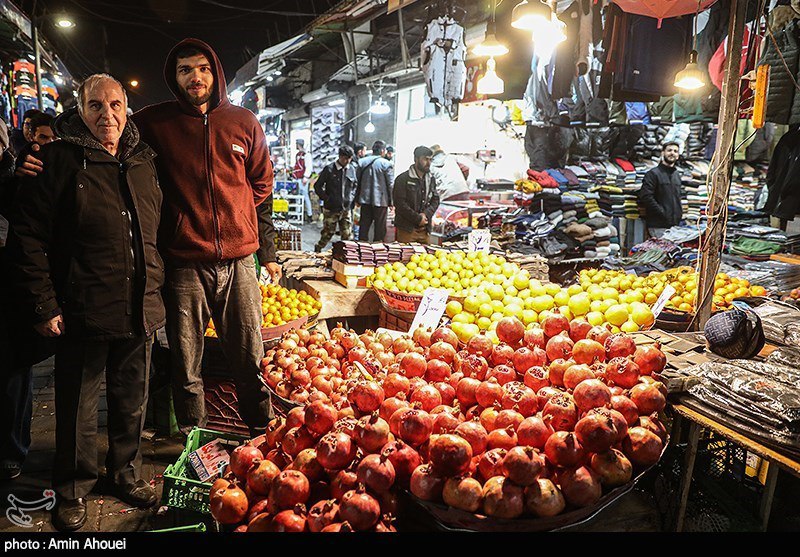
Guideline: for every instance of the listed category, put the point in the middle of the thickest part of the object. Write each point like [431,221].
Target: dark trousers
[16,407]
[228,292]
[79,371]
[370,214]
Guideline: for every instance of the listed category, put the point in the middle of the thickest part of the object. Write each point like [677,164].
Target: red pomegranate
[516,396]
[564,449]
[475,434]
[413,365]
[257,508]
[652,423]
[650,359]
[445,334]
[335,451]
[360,509]
[449,455]
[466,391]
[444,351]
[444,422]
[555,323]
[510,330]
[578,329]
[522,465]
[525,358]
[242,458]
[404,459]
[425,485]
[346,425]
[463,492]
[307,463]
[259,522]
[322,514]
[559,347]
[229,504]
[534,337]
[620,424]
[395,383]
[508,417]
[338,527]
[415,427]
[371,433]
[290,520]
[366,396]
[447,391]
[502,438]
[591,393]
[502,499]
[619,345]
[536,378]
[596,432]
[475,366]
[576,374]
[533,432]
[391,405]
[480,345]
[622,372]
[503,373]
[427,396]
[588,351]
[376,472]
[502,354]
[343,481]
[557,369]
[488,417]
[544,499]
[437,370]
[297,439]
[278,457]
[560,412]
[612,468]
[580,486]
[422,336]
[320,417]
[642,447]
[599,333]
[491,463]
[648,398]
[489,392]
[626,407]
[288,489]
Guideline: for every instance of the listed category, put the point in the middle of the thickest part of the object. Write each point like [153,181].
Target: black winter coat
[661,196]
[409,204]
[783,178]
[336,188]
[83,241]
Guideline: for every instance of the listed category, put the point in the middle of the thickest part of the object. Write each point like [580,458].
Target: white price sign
[431,309]
[668,293]
[479,240]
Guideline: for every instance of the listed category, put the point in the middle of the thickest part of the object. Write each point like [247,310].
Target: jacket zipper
[217,241]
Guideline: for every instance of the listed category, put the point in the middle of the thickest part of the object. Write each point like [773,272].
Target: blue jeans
[309,210]
[16,398]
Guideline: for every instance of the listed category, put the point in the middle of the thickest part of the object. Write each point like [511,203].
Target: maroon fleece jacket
[213,168]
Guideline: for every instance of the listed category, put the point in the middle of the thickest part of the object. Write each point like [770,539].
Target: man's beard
[197,101]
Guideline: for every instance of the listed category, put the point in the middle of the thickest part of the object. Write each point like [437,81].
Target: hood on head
[70,127]
[220,94]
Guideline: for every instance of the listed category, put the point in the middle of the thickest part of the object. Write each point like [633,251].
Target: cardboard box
[352,270]
[350,282]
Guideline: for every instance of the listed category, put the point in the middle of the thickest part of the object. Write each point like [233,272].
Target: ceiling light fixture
[370,127]
[490,46]
[379,108]
[691,77]
[490,83]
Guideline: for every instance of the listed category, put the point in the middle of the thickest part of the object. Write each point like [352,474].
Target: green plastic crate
[181,491]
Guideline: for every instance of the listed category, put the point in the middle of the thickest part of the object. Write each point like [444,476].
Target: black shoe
[141,494]
[10,470]
[69,514]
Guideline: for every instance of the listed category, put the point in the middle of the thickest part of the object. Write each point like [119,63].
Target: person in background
[360,149]
[336,186]
[302,172]
[22,136]
[416,199]
[389,156]
[450,180]
[87,270]
[375,175]
[42,134]
[660,194]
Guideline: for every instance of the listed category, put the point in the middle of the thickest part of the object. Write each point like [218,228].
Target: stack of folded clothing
[583,235]
[542,178]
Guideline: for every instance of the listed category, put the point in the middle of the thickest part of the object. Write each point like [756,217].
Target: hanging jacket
[215,169]
[83,241]
[783,178]
[781,106]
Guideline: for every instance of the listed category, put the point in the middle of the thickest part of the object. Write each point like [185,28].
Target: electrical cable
[124,22]
[259,10]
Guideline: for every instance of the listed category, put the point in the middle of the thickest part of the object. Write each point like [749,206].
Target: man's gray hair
[91,81]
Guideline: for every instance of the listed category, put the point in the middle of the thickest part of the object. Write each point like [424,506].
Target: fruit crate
[388,321]
[181,491]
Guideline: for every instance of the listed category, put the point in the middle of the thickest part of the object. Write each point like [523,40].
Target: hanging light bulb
[691,77]
[490,83]
[530,15]
[370,127]
[547,31]
[380,107]
[490,46]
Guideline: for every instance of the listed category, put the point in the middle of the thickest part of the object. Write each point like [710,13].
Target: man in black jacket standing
[661,193]
[415,199]
[336,188]
[85,263]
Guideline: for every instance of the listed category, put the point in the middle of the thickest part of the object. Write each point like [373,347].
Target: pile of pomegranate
[543,422]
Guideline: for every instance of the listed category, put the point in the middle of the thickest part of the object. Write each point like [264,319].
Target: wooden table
[698,421]
[340,302]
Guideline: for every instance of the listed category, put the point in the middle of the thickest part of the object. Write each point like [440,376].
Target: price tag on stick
[479,240]
[431,309]
[666,294]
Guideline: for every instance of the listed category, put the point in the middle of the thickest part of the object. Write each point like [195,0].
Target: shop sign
[479,240]
[431,309]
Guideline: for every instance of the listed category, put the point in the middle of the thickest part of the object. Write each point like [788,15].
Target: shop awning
[662,9]
[268,60]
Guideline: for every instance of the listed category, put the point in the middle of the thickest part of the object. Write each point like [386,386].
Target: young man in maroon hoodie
[214,168]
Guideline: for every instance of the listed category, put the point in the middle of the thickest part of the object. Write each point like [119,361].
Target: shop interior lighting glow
[370,127]
[379,108]
[490,83]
